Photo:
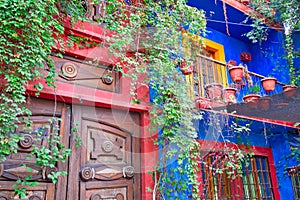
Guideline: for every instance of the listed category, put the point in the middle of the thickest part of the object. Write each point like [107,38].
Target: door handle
[128,172]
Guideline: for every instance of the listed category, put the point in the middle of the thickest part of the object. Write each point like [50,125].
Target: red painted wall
[75,94]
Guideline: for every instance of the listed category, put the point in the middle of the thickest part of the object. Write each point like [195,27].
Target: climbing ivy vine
[276,13]
[152,40]
[27,28]
[148,41]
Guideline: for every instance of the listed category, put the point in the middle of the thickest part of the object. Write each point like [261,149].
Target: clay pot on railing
[289,90]
[264,103]
[229,95]
[203,103]
[236,73]
[214,91]
[268,83]
[185,69]
[251,100]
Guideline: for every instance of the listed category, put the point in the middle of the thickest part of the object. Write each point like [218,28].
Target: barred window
[216,184]
[254,182]
[294,173]
[256,179]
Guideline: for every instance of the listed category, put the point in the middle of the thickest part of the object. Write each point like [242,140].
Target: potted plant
[214,91]
[268,83]
[289,90]
[253,96]
[229,95]
[203,103]
[264,103]
[236,73]
[185,68]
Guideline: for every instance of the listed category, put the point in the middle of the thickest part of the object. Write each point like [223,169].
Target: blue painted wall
[280,148]
[216,127]
[232,46]
[267,58]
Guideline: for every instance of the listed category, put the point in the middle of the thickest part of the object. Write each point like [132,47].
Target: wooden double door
[105,166]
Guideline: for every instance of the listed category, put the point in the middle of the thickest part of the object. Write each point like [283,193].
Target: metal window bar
[295,178]
[217,185]
[256,180]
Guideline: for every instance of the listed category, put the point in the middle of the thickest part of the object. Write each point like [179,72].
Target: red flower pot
[251,97]
[229,95]
[203,103]
[214,91]
[185,69]
[289,90]
[251,100]
[236,73]
[264,103]
[269,84]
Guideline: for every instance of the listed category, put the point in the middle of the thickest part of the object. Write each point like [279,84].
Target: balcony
[274,104]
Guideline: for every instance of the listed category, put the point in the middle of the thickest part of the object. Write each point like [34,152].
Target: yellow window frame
[219,53]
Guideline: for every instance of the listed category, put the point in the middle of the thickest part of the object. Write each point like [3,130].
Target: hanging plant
[27,30]
[236,73]
[268,83]
[286,14]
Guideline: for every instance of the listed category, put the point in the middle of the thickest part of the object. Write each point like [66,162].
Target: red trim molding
[256,150]
[237,5]
[246,9]
[276,122]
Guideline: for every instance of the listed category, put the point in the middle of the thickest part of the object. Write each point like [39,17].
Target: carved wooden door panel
[13,168]
[108,163]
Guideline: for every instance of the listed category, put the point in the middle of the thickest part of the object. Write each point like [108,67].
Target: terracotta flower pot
[251,100]
[289,87]
[229,95]
[264,103]
[232,63]
[281,105]
[214,91]
[269,83]
[236,73]
[203,103]
[185,69]
[251,97]
[289,90]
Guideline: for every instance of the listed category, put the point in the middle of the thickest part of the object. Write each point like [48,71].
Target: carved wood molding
[98,196]
[88,74]
[106,173]
[18,170]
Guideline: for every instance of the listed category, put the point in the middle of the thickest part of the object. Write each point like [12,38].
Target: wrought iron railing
[208,70]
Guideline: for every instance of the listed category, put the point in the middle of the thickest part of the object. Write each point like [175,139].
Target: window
[294,172]
[206,69]
[217,185]
[256,179]
[254,182]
